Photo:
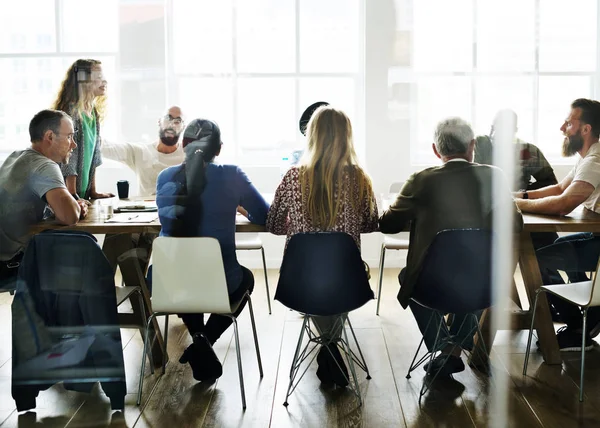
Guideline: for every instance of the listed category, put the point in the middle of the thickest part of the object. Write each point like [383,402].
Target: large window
[471,58]
[38,43]
[254,66]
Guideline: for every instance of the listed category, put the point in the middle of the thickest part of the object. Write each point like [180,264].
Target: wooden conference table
[118,242]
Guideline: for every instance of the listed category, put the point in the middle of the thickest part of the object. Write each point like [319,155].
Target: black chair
[455,279]
[65,324]
[322,274]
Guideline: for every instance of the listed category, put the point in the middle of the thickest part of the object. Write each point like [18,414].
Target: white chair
[188,277]
[577,293]
[251,241]
[389,243]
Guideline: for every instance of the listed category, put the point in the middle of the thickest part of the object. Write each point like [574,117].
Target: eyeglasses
[69,136]
[173,120]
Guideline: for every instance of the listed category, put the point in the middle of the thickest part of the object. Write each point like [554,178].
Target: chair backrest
[396,187]
[188,276]
[69,278]
[323,274]
[456,272]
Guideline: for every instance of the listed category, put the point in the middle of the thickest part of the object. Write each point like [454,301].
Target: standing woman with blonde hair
[328,192]
[83,96]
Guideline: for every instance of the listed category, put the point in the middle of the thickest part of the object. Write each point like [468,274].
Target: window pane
[568,43]
[206,48]
[266,36]
[39,33]
[556,95]
[29,85]
[329,35]
[266,117]
[88,25]
[210,98]
[493,94]
[505,39]
[443,33]
[339,92]
[438,99]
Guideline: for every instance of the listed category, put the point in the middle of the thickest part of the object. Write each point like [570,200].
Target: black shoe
[595,330]
[452,365]
[570,341]
[323,369]
[202,359]
[328,369]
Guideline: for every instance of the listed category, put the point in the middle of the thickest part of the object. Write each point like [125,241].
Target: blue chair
[455,279]
[322,274]
[66,306]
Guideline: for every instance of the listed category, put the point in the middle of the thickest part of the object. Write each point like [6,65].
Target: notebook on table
[136,206]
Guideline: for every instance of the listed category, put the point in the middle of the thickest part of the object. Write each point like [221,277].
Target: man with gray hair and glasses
[455,195]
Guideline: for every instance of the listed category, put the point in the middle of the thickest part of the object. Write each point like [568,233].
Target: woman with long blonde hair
[82,95]
[328,191]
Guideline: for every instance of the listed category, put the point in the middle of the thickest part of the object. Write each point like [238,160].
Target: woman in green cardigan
[83,96]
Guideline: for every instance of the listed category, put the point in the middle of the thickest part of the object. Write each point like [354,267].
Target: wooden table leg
[119,250]
[543,320]
[480,355]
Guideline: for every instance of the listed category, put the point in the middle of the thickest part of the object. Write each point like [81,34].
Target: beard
[168,140]
[572,145]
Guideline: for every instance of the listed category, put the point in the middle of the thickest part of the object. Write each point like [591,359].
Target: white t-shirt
[588,169]
[145,160]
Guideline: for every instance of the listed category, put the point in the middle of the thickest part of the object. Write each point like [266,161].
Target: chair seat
[577,293]
[254,243]
[391,243]
[123,293]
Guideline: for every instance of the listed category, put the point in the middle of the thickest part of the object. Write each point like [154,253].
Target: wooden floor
[546,397]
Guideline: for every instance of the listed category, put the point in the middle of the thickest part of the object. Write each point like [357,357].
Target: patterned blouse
[288,216]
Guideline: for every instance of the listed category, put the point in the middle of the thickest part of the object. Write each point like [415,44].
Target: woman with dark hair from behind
[328,191]
[201,198]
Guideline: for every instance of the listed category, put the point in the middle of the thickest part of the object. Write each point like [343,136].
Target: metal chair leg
[295,360]
[585,312]
[424,388]
[351,364]
[149,353]
[381,261]
[143,369]
[262,250]
[239,361]
[413,366]
[537,295]
[364,362]
[164,361]
[260,369]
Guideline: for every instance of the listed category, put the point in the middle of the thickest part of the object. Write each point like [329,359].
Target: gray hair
[453,136]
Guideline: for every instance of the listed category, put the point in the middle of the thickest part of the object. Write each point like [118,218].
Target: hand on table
[96,195]
[83,205]
[242,211]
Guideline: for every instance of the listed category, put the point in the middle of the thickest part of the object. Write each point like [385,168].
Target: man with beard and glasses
[148,160]
[578,253]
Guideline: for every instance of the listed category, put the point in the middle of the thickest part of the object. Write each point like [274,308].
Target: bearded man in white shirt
[147,160]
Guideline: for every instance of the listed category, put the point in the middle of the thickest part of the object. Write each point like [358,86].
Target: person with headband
[201,198]
[82,96]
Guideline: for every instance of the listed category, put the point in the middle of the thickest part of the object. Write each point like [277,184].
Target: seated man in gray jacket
[456,195]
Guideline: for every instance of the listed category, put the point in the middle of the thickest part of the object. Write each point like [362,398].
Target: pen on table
[132,217]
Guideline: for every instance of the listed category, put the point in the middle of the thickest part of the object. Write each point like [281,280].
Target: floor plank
[546,397]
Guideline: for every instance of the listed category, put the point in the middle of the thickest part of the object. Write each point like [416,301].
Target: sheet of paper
[133,218]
